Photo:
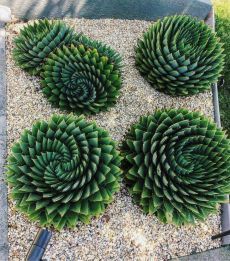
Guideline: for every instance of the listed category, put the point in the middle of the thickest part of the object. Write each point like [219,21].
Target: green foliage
[63,171]
[82,78]
[180,56]
[222,9]
[36,41]
[224,101]
[223,31]
[177,165]
[104,50]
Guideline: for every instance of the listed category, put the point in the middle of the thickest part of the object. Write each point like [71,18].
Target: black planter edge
[225,208]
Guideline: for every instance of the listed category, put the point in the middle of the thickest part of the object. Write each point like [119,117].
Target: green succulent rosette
[63,171]
[102,48]
[180,56]
[177,165]
[36,41]
[81,79]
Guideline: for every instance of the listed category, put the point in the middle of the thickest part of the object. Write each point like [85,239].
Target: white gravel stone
[123,232]
[5,14]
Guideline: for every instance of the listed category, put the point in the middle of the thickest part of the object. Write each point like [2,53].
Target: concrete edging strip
[97,9]
[3,186]
[5,16]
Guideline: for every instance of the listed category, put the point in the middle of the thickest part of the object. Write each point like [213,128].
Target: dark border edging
[216,254]
[3,140]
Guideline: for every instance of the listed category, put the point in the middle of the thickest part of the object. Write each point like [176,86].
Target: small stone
[5,14]
[106,218]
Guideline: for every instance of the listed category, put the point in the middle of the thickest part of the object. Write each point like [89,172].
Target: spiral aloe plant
[36,41]
[177,165]
[180,56]
[63,171]
[103,49]
[82,78]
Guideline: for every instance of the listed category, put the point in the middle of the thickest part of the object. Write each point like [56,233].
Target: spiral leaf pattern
[177,165]
[36,41]
[103,49]
[63,171]
[180,56]
[81,79]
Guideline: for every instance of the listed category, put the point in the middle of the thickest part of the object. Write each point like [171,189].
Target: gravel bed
[123,232]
